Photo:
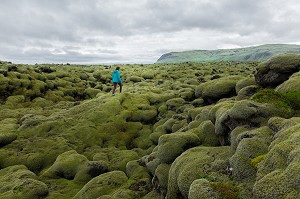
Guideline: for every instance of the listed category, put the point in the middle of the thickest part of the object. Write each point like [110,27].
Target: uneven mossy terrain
[190,130]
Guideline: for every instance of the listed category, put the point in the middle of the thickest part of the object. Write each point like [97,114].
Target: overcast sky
[138,31]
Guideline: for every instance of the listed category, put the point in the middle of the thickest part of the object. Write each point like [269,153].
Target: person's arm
[119,77]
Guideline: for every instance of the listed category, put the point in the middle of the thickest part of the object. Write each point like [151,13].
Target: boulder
[196,163]
[244,113]
[247,92]
[172,145]
[214,90]
[71,165]
[244,83]
[277,70]
[279,172]
[18,182]
[251,144]
[102,185]
[292,84]
[7,138]
[206,133]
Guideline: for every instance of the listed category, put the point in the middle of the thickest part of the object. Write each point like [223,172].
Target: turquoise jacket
[116,77]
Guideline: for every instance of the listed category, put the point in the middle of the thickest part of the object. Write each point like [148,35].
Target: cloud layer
[138,31]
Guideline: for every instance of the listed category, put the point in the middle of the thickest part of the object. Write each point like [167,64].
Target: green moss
[173,104]
[227,191]
[172,145]
[119,158]
[18,182]
[247,92]
[201,188]
[273,97]
[7,138]
[252,144]
[135,79]
[257,160]
[104,184]
[41,102]
[282,63]
[14,102]
[62,188]
[206,133]
[148,75]
[187,94]
[278,173]
[291,84]
[286,100]
[217,89]
[161,176]
[192,163]
[244,83]
[294,98]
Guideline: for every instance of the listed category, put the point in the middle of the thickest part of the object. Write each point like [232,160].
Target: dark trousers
[115,87]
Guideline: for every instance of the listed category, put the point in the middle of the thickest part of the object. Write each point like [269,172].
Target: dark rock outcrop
[277,70]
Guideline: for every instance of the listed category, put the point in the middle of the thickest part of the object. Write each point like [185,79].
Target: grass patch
[288,100]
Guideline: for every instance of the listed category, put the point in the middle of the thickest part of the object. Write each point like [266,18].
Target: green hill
[257,53]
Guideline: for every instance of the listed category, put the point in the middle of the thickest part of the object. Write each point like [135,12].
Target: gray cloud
[138,30]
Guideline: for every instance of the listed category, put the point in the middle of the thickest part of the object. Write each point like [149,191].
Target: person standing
[116,79]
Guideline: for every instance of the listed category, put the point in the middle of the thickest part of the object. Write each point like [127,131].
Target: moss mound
[102,185]
[277,70]
[18,182]
[278,172]
[159,138]
[195,163]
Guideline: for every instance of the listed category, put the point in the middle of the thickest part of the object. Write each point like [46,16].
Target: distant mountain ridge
[256,53]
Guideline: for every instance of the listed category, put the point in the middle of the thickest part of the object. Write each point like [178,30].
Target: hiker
[116,79]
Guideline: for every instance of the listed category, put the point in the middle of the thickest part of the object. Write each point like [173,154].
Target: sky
[138,31]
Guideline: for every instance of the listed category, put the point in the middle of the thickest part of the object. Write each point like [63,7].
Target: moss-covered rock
[135,79]
[292,84]
[216,89]
[119,159]
[195,163]
[7,138]
[175,103]
[41,102]
[91,92]
[244,83]
[251,145]
[198,102]
[278,172]
[201,189]
[187,94]
[172,145]
[148,75]
[244,113]
[104,184]
[277,70]
[18,182]
[206,133]
[14,102]
[71,165]
[247,92]
[160,179]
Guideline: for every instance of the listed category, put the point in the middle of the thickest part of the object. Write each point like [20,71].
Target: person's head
[118,68]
